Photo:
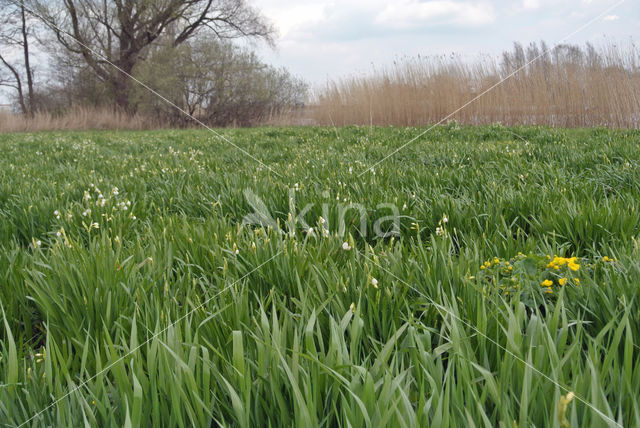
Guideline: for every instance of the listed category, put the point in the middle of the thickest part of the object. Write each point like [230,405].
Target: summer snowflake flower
[346,246]
[374,282]
[352,307]
[445,219]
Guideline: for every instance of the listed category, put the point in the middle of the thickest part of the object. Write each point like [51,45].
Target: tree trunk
[122,88]
[27,65]
[121,91]
[121,81]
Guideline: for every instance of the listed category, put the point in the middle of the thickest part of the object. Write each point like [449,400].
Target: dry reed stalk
[82,118]
[567,87]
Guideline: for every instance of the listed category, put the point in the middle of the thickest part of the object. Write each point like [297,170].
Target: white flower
[352,307]
[58,234]
[439,231]
[346,246]
[95,225]
[115,191]
[321,220]
[310,230]
[38,243]
[374,282]
[404,207]
[133,217]
[86,212]
[445,219]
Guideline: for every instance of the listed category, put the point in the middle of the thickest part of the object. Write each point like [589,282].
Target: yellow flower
[562,281]
[482,267]
[574,266]
[496,260]
[576,280]
[548,291]
[547,283]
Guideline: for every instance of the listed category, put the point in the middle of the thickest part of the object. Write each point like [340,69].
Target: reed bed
[567,86]
[77,118]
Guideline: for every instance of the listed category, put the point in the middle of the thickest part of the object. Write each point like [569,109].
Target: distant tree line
[91,52]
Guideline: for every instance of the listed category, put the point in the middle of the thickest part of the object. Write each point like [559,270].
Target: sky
[323,39]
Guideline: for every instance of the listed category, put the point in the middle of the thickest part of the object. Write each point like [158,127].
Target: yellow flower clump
[557,262]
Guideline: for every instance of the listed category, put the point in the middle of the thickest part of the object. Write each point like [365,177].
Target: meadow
[493,282]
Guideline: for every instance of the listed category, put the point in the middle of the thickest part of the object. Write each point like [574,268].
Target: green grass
[174,313]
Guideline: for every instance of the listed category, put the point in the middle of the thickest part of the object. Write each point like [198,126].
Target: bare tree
[14,35]
[120,31]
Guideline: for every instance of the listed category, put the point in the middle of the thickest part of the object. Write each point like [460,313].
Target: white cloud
[290,17]
[531,4]
[611,18]
[406,14]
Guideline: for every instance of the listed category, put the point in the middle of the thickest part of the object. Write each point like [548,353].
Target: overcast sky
[322,39]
